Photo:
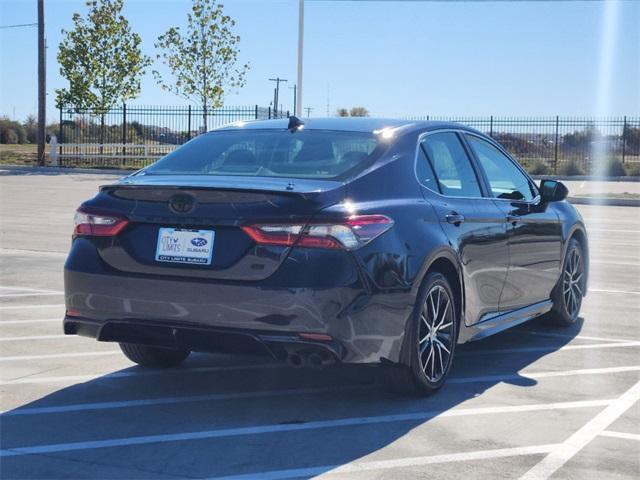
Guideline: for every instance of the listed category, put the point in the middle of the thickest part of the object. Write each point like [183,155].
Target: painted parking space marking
[28,307]
[369,466]
[621,435]
[48,356]
[30,294]
[30,321]
[80,407]
[291,427]
[275,393]
[576,442]
[35,337]
[579,336]
[548,348]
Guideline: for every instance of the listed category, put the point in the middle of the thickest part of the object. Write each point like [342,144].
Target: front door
[535,232]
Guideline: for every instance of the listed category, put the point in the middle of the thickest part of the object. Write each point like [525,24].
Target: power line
[20,25]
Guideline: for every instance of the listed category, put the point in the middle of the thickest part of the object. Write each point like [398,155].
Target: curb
[63,170]
[585,178]
[609,202]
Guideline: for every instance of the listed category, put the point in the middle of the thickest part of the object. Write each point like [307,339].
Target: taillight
[351,233]
[97,224]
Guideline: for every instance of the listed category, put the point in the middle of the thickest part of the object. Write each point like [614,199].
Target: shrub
[633,169]
[611,167]
[11,132]
[538,167]
[571,168]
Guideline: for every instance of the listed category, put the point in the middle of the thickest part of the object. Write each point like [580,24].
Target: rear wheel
[154,357]
[568,293]
[432,335]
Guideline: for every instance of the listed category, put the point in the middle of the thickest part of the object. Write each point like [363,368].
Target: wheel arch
[579,233]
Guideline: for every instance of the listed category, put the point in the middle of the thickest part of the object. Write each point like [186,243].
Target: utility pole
[298,107]
[42,84]
[277,93]
[308,109]
[295,104]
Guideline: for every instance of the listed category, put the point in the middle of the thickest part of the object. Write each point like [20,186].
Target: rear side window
[451,166]
[505,178]
[273,153]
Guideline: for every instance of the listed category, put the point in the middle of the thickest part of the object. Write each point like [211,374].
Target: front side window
[451,166]
[320,154]
[505,178]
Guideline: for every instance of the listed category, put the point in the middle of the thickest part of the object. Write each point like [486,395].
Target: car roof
[347,124]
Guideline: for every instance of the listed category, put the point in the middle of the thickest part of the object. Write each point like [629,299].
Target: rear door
[473,223]
[535,233]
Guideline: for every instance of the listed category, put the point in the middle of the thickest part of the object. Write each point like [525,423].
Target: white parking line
[576,442]
[20,307]
[80,407]
[31,294]
[28,289]
[621,435]
[30,321]
[274,393]
[58,355]
[137,373]
[603,290]
[291,427]
[550,374]
[547,348]
[579,336]
[33,337]
[358,467]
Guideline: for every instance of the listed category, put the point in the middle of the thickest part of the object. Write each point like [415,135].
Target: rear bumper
[365,326]
[279,345]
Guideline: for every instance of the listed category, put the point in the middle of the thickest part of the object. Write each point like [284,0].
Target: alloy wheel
[436,333]
[572,285]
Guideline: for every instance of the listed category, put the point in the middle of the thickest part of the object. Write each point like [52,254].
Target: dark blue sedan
[351,240]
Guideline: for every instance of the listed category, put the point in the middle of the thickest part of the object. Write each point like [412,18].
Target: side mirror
[553,191]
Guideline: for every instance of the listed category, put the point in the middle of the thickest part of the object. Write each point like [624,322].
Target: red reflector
[323,337]
[72,313]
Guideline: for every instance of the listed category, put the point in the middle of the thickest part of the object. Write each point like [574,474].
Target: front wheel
[569,291]
[432,335]
[154,357]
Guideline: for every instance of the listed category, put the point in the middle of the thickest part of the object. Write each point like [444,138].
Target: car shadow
[257,416]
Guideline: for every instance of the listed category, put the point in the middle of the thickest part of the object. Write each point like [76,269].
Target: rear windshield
[273,153]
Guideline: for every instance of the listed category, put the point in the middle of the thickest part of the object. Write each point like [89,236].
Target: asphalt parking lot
[534,401]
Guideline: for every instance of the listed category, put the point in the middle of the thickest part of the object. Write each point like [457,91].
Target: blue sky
[396,58]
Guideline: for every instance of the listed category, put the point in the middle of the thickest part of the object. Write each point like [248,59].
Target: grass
[18,154]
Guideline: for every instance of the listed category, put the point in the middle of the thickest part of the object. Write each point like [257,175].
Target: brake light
[352,233]
[97,224]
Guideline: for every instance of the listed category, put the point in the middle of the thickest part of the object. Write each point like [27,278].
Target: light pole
[295,99]
[42,112]
[277,92]
[298,106]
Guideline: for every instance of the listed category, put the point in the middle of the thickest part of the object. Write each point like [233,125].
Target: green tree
[31,128]
[359,112]
[202,59]
[342,112]
[101,58]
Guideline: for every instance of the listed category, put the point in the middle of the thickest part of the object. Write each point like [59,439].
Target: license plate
[177,245]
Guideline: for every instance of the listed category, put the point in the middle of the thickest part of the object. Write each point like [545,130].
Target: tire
[431,352]
[569,291]
[154,357]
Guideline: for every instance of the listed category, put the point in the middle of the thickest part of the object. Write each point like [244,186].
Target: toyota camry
[330,240]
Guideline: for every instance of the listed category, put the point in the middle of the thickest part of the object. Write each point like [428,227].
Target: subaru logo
[181,203]
[198,242]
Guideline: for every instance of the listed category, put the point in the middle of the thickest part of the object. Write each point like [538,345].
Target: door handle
[513,219]
[454,218]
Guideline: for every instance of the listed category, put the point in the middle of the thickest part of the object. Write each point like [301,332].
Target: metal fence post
[269,113]
[124,128]
[491,126]
[555,155]
[60,138]
[189,124]
[624,138]
[256,112]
